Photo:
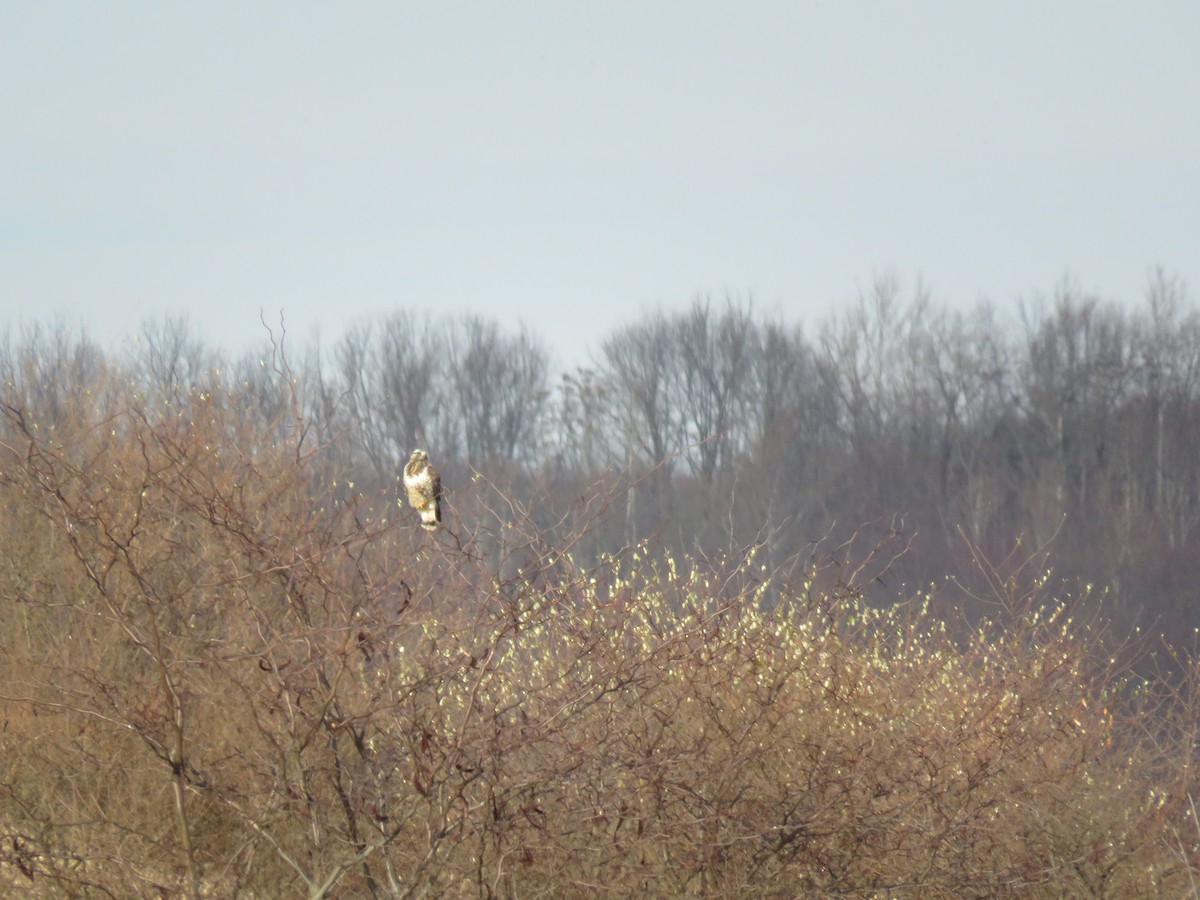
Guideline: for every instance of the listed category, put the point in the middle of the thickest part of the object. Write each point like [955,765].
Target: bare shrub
[228,672]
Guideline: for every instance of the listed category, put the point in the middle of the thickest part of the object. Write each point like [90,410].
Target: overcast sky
[569,164]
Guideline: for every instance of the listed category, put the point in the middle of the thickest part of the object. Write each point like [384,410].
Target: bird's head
[419,455]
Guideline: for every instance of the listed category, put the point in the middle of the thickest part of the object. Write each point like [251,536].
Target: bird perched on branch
[424,487]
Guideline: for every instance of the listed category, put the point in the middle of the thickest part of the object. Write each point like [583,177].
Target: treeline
[232,666]
[1070,426]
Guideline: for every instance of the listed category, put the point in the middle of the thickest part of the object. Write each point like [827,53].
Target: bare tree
[1168,349]
[640,377]
[171,360]
[500,392]
[585,433]
[57,369]
[1077,373]
[715,353]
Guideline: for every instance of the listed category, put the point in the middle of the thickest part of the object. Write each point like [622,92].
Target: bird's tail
[431,516]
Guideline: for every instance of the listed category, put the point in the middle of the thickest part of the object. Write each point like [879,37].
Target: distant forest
[1060,439]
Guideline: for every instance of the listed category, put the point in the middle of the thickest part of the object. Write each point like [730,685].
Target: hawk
[424,487]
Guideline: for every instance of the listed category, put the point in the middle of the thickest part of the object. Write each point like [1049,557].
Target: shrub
[228,672]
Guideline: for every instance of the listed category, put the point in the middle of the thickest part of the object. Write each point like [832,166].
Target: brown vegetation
[228,670]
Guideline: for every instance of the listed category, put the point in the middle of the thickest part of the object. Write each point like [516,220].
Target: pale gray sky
[570,163]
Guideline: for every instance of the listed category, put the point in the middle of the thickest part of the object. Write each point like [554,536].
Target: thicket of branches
[642,658]
[229,671]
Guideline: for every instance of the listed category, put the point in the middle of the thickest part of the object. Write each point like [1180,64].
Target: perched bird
[424,487]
